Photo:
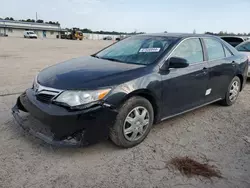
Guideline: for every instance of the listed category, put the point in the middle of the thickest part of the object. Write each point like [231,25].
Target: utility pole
[36,16]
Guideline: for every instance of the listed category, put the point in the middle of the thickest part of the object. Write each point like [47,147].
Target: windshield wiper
[112,59]
[95,56]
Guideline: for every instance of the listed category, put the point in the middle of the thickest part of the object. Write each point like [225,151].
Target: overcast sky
[139,15]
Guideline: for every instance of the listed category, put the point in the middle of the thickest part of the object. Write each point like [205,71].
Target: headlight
[76,98]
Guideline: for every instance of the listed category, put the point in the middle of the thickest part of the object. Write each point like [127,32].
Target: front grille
[44,94]
[44,97]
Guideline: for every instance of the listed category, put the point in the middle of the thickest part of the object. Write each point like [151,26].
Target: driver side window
[191,50]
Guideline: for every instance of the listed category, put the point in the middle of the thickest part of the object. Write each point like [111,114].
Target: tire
[227,100]
[141,127]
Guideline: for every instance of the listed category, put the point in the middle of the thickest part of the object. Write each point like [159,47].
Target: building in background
[17,28]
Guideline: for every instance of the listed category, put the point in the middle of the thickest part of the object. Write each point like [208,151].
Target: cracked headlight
[77,98]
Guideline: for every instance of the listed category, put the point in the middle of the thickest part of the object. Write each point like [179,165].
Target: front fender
[148,86]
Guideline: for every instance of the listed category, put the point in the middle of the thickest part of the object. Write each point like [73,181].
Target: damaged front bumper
[61,127]
[48,138]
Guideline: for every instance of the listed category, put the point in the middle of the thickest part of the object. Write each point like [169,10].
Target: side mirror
[175,62]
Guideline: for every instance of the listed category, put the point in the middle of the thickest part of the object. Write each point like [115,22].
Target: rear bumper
[245,75]
[63,127]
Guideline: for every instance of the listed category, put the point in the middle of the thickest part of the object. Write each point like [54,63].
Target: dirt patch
[190,168]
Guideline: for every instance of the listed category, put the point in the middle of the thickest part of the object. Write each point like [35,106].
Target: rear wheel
[133,122]
[232,92]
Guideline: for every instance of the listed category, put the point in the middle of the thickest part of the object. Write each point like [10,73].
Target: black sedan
[121,91]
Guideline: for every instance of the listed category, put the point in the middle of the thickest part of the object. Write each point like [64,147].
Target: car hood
[86,73]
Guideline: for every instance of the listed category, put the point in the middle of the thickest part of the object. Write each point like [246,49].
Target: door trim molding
[168,117]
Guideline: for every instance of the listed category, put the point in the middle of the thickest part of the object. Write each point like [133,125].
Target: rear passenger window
[227,52]
[214,49]
[190,50]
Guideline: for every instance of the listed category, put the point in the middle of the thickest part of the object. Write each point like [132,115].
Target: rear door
[185,88]
[221,68]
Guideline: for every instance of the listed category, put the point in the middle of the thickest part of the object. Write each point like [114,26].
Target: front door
[185,88]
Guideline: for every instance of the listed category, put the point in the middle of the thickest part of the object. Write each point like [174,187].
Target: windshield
[137,50]
[31,32]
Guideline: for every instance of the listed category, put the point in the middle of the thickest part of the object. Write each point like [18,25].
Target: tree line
[86,30]
[32,20]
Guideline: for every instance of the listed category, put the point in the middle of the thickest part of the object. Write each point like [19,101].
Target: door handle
[204,72]
[205,69]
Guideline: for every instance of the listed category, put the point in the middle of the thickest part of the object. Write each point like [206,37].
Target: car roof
[179,35]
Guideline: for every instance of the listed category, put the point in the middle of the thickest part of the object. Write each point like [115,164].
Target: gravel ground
[212,132]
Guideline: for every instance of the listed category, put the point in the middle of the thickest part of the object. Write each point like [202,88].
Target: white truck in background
[29,34]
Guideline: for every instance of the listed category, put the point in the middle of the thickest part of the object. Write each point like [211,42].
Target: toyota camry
[122,90]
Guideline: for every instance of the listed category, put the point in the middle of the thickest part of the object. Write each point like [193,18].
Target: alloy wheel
[234,91]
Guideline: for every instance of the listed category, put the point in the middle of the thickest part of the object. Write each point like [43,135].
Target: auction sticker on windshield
[150,49]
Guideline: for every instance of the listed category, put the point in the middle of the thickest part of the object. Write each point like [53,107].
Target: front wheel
[232,92]
[133,122]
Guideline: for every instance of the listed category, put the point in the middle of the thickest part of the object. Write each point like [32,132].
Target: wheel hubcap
[234,90]
[136,123]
